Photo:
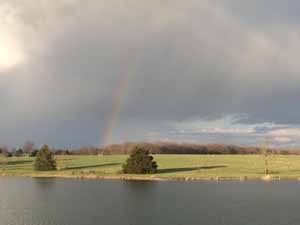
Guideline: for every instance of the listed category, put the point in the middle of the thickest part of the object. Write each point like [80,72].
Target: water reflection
[91,202]
[140,186]
[44,183]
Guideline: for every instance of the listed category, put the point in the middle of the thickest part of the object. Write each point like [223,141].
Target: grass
[170,167]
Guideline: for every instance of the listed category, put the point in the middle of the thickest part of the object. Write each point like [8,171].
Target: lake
[29,201]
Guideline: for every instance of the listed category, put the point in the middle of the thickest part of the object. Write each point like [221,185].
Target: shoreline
[267,178]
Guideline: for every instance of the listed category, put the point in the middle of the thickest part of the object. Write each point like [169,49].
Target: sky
[79,73]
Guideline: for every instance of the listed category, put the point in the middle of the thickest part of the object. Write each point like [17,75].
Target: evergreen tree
[140,162]
[45,160]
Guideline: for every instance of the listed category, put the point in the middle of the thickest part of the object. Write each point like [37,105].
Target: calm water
[26,201]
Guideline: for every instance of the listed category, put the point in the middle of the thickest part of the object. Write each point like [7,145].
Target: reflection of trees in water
[141,197]
[45,183]
[139,186]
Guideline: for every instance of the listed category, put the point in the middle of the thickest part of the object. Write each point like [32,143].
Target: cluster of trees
[44,161]
[27,149]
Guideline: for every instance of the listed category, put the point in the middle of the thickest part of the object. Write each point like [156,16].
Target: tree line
[189,148]
[30,149]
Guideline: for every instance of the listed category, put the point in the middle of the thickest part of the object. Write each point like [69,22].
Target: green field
[170,167]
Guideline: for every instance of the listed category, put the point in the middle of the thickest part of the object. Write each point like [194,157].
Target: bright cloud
[230,129]
[283,140]
[289,132]
[10,52]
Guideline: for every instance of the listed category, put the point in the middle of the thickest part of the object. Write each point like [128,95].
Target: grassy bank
[170,167]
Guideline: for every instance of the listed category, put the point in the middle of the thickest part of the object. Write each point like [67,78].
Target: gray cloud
[189,60]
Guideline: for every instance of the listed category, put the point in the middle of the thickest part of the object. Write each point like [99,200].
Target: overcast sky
[76,73]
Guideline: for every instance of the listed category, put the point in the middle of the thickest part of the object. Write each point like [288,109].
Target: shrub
[33,153]
[140,162]
[19,153]
[45,160]
[7,154]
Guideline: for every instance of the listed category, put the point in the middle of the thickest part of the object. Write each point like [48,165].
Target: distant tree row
[85,150]
[153,148]
[27,149]
[188,148]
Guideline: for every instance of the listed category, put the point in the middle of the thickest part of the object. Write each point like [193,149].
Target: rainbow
[117,105]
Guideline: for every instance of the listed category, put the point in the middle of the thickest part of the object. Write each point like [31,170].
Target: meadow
[185,167]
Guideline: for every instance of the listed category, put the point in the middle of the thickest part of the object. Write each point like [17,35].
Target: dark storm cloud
[190,60]
[265,12]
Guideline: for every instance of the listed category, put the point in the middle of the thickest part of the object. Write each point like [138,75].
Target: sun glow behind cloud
[10,52]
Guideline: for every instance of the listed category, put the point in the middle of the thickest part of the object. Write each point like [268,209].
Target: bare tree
[28,147]
[265,152]
[4,150]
